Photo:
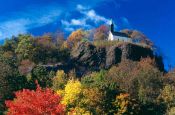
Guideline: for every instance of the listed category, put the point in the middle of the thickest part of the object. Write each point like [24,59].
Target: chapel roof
[120,34]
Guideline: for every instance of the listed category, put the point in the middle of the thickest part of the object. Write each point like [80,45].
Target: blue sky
[155,18]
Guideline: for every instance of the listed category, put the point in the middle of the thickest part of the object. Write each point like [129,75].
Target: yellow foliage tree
[125,105]
[73,98]
[168,97]
[122,102]
[72,92]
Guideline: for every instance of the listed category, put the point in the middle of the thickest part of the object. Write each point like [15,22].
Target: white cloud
[87,15]
[13,27]
[67,25]
[78,22]
[69,29]
[80,7]
[70,26]
[91,14]
[21,22]
[74,23]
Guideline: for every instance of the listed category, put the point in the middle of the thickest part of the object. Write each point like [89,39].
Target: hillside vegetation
[83,75]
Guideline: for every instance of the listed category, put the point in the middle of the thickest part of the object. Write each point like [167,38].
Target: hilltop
[89,73]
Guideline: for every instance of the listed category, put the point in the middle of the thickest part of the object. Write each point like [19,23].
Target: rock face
[88,57]
[135,52]
[113,56]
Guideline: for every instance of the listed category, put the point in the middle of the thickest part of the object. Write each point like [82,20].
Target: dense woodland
[28,87]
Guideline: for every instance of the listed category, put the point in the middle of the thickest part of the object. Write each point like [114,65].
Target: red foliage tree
[39,102]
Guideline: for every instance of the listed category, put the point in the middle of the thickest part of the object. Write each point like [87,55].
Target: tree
[101,33]
[148,84]
[138,37]
[37,102]
[41,74]
[99,93]
[60,80]
[26,67]
[10,44]
[76,37]
[73,98]
[10,81]
[123,76]
[46,51]
[59,38]
[142,80]
[73,90]
[149,81]
[167,97]
[5,88]
[25,47]
[9,58]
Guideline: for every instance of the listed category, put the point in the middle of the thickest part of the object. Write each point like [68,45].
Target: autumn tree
[46,51]
[5,88]
[59,38]
[99,93]
[42,101]
[142,80]
[26,66]
[101,33]
[76,37]
[10,81]
[167,95]
[43,76]
[10,44]
[149,80]
[9,58]
[138,37]
[60,80]
[123,76]
[25,47]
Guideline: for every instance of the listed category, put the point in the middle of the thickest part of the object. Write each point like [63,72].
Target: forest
[84,74]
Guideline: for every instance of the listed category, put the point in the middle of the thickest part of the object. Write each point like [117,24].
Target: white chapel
[118,35]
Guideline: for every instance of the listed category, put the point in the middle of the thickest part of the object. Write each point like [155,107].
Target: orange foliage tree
[76,37]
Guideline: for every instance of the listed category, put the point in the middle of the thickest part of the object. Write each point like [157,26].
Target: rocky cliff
[87,57]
